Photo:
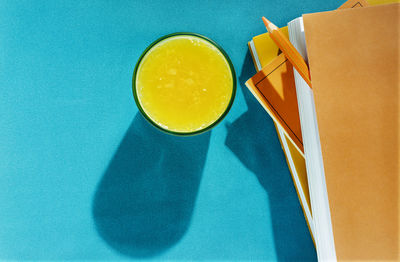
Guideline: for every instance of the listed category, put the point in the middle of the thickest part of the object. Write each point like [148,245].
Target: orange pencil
[289,50]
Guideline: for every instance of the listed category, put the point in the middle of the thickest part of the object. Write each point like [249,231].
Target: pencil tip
[270,26]
[265,20]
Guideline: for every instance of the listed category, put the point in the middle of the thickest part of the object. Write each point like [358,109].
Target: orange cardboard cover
[354,63]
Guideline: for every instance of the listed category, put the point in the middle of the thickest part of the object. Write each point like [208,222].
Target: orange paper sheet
[274,88]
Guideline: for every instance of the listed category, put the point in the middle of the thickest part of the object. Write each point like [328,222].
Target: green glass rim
[209,127]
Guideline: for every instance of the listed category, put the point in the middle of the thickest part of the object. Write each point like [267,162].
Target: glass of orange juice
[184,83]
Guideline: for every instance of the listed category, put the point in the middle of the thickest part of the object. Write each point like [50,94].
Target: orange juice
[184,83]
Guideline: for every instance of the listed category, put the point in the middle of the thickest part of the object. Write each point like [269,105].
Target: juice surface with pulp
[184,83]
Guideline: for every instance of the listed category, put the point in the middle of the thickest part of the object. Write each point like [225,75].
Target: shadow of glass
[144,202]
[253,139]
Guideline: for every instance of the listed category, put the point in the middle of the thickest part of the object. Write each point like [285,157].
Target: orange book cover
[264,51]
[354,62]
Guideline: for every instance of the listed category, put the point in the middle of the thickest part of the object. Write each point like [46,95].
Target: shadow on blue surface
[144,202]
[253,139]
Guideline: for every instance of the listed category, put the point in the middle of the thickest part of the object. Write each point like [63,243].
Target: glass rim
[213,124]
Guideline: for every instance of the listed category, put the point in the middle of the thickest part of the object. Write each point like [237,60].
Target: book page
[312,150]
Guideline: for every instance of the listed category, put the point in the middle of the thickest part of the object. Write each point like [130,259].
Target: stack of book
[340,136]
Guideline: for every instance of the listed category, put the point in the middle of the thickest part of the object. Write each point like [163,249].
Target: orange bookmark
[289,50]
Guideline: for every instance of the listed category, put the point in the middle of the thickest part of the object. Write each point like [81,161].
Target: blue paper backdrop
[83,176]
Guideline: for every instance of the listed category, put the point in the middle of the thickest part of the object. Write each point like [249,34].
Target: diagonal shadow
[144,201]
[253,139]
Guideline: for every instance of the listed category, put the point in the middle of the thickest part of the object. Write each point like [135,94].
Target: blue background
[83,176]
